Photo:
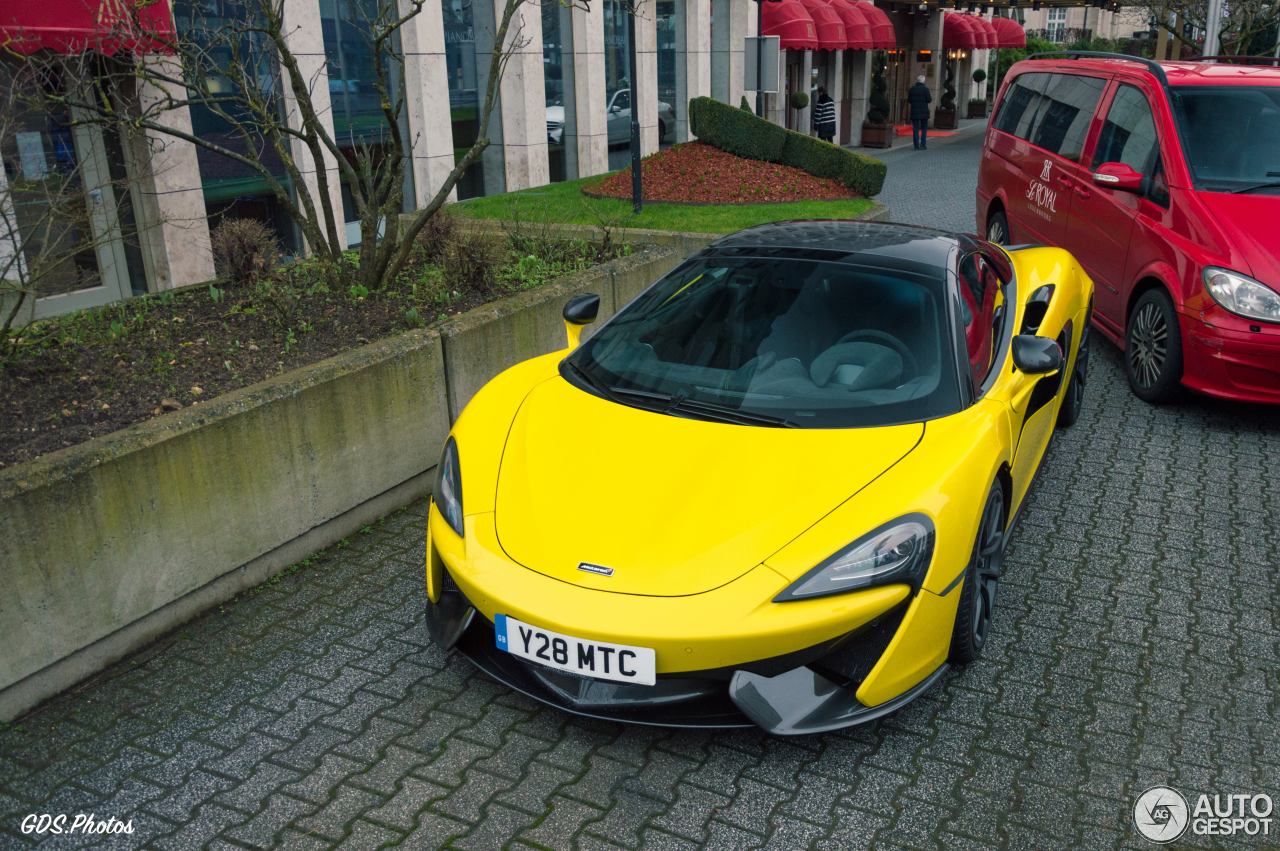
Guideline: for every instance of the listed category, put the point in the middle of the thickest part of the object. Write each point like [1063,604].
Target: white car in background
[619,112]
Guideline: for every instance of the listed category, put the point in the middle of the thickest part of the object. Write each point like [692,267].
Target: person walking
[824,116]
[919,97]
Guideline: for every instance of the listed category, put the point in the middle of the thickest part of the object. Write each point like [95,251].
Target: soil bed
[93,372]
[697,173]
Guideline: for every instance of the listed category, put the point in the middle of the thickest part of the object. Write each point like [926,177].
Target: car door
[1103,219]
[620,117]
[1067,109]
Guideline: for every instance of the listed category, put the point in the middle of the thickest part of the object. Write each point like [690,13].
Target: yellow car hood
[673,506]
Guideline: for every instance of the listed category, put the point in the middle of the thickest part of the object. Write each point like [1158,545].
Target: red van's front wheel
[1153,348]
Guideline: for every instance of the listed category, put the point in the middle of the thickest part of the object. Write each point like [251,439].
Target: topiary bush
[746,107]
[732,130]
[878,103]
[979,75]
[799,100]
[735,131]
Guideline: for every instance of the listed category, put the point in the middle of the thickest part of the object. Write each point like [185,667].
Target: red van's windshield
[1231,135]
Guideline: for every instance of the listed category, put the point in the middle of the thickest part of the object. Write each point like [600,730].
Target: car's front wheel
[1153,348]
[978,593]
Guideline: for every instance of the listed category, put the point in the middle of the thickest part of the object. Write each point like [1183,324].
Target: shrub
[979,75]
[799,100]
[729,129]
[948,92]
[735,131]
[436,234]
[859,172]
[470,262]
[244,250]
[878,103]
[745,106]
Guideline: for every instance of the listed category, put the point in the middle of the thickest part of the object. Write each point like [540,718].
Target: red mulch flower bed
[696,173]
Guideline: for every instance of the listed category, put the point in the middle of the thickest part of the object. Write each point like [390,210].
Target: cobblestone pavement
[934,187]
[1135,644]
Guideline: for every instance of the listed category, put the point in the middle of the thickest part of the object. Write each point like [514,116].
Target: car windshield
[1249,154]
[779,341]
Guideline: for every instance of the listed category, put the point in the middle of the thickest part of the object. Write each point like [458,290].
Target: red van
[1163,178]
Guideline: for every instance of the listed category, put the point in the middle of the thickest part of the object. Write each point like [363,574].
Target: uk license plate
[602,660]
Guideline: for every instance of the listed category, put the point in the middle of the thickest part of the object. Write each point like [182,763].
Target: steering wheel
[884,338]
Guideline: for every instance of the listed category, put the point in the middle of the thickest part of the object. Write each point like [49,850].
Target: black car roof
[882,243]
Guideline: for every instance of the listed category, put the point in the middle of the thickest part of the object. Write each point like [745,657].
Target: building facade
[563,112]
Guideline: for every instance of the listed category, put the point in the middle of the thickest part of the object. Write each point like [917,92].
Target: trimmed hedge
[754,138]
[735,130]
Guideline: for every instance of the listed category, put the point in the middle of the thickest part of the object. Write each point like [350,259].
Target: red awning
[958,32]
[856,28]
[990,39]
[830,27]
[1009,33]
[882,31]
[74,26]
[792,24]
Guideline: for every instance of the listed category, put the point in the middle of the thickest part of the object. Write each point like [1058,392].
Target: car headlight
[448,490]
[898,551]
[1242,295]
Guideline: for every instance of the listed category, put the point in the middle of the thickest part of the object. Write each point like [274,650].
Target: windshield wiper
[728,414]
[667,403]
[591,381]
[1274,184]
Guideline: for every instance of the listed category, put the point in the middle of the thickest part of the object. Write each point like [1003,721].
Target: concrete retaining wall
[106,545]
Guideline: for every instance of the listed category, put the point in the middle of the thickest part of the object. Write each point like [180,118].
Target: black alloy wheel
[981,578]
[998,228]
[1153,348]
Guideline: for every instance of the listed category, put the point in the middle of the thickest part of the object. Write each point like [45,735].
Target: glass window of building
[355,90]
[232,189]
[665,10]
[557,53]
[468,44]
[617,85]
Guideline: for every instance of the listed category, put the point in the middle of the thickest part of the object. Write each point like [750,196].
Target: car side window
[1129,134]
[622,100]
[979,293]
[1018,111]
[1067,107]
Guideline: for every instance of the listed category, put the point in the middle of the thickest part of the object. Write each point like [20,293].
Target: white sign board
[768,53]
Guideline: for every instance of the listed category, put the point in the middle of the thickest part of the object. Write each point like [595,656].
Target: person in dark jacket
[919,97]
[824,116]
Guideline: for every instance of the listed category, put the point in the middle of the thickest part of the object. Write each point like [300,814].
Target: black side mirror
[582,309]
[1036,355]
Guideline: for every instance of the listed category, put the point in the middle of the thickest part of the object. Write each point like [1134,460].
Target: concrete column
[835,83]
[426,100]
[693,60]
[732,21]
[803,124]
[860,92]
[589,137]
[644,93]
[305,39]
[522,101]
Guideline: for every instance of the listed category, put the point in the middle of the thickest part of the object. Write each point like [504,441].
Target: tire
[1153,348]
[998,228]
[978,593]
[1073,402]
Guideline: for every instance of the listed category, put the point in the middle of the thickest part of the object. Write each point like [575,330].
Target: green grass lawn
[564,202]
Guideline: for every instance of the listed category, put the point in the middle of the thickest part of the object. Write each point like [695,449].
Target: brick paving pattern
[1135,644]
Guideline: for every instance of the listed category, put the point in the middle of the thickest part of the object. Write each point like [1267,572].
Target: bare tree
[1244,22]
[243,66]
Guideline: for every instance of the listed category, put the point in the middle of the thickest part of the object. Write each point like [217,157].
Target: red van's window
[1129,133]
[1067,107]
[1021,102]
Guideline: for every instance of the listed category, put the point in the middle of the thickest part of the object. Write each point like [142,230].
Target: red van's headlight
[1242,295]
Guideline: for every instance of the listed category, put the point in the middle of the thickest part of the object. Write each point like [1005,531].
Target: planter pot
[877,135]
[944,119]
[977,109]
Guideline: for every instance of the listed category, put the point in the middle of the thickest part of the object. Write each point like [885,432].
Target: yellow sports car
[775,489]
